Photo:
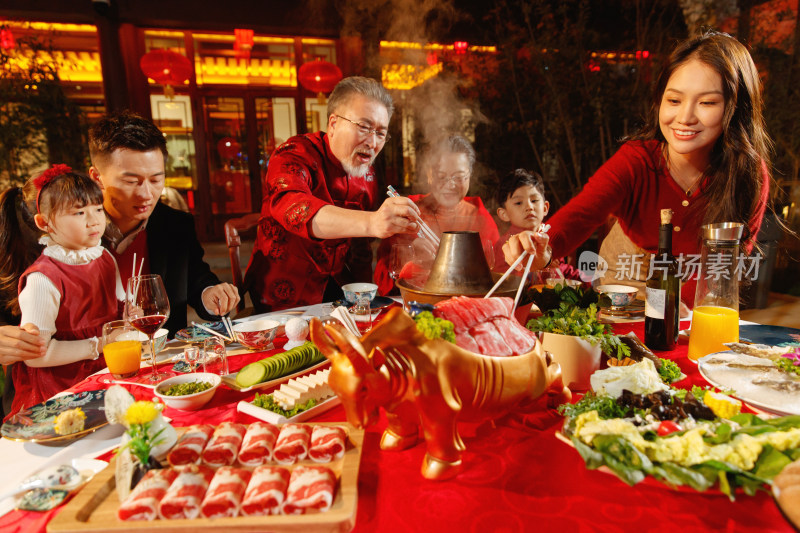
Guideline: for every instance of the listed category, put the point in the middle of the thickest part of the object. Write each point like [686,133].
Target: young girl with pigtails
[70,291]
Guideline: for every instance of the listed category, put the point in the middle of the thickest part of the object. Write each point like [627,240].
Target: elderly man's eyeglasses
[366,131]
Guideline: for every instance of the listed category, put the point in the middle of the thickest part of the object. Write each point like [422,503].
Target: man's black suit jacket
[176,255]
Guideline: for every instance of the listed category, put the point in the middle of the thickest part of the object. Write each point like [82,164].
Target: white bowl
[620,295]
[256,334]
[353,290]
[282,319]
[190,402]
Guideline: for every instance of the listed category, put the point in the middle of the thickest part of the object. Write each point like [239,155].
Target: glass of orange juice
[711,327]
[122,349]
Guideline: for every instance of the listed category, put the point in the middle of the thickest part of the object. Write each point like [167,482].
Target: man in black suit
[128,155]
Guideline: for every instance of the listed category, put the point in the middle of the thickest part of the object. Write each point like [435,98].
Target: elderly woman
[447,207]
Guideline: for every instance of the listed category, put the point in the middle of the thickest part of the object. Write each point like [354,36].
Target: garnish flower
[789,362]
[139,417]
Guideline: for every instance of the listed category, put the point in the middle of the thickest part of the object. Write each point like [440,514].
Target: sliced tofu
[300,390]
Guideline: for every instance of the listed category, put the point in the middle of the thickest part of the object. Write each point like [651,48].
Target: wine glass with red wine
[147,308]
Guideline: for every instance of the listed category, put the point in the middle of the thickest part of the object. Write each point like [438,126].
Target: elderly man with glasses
[316,217]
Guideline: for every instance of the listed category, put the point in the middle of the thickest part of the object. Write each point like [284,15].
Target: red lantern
[319,76]
[166,68]
[7,41]
[243,42]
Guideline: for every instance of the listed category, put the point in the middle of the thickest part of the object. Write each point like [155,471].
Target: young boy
[521,202]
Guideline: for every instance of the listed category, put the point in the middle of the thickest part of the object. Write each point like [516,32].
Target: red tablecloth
[516,477]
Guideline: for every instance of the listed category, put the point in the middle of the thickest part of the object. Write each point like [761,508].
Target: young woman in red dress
[704,153]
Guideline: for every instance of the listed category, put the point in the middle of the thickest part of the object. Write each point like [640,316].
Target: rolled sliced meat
[292,443]
[223,448]
[183,498]
[191,444]
[142,502]
[225,493]
[310,487]
[258,444]
[266,491]
[327,443]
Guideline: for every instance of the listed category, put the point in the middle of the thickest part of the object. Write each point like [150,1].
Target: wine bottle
[662,304]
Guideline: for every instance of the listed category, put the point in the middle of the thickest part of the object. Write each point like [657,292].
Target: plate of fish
[750,371]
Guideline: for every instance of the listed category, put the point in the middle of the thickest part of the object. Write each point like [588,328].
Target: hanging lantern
[7,41]
[319,76]
[166,68]
[243,42]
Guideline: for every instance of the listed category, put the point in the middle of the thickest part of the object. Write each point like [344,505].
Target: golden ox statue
[430,384]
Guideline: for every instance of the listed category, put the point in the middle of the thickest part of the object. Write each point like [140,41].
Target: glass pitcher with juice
[715,319]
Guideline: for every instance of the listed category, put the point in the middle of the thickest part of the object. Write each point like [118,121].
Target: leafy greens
[583,323]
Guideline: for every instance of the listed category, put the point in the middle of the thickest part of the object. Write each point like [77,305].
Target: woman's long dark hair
[19,245]
[741,155]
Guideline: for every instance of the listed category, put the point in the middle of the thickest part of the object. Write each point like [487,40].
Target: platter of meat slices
[256,477]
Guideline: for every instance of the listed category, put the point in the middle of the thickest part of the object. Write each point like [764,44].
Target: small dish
[36,423]
[274,418]
[189,402]
[353,290]
[256,334]
[620,295]
[195,334]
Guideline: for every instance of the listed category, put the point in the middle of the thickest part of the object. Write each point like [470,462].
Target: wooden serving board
[95,507]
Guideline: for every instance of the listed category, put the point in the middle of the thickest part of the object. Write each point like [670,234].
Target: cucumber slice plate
[230,379]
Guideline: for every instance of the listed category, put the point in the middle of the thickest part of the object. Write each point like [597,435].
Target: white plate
[274,418]
[740,381]
[320,310]
[230,379]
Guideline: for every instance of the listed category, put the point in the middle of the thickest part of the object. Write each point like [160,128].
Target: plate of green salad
[640,429]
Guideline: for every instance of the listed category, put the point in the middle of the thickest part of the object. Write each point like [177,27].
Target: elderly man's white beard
[357,171]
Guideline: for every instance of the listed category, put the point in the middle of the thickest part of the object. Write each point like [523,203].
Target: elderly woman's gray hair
[367,87]
[456,144]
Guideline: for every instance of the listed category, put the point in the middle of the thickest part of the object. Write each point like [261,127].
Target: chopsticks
[135,274]
[425,231]
[522,283]
[508,273]
[226,321]
[543,228]
[209,330]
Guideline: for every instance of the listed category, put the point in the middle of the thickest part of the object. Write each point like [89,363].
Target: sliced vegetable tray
[230,379]
[274,418]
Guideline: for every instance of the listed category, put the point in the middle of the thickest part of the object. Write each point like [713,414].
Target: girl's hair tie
[46,177]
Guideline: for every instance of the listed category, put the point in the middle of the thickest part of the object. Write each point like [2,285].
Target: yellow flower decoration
[141,412]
